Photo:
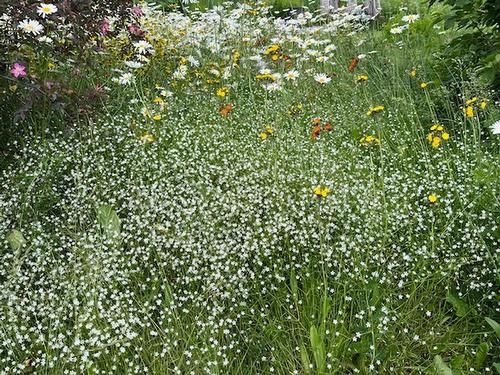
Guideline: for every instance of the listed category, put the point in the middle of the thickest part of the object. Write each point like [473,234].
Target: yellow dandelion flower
[471,101]
[445,136]
[158,100]
[362,78]
[321,191]
[423,85]
[269,129]
[272,49]
[432,198]
[436,142]
[222,91]
[376,109]
[469,111]
[413,72]
[483,104]
[157,117]
[51,66]
[263,136]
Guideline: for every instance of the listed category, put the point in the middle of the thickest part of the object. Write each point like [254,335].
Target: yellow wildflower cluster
[236,59]
[376,109]
[368,140]
[470,103]
[266,133]
[436,135]
[321,191]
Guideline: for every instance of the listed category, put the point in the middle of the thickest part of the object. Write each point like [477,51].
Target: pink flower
[137,11]
[135,30]
[105,27]
[18,70]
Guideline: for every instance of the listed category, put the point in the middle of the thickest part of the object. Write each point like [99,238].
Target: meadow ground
[255,196]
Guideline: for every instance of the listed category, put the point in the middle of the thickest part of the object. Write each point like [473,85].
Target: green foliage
[109,221]
[477,42]
[494,325]
[440,366]
[15,239]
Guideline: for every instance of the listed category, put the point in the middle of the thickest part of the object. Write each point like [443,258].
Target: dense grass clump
[256,196]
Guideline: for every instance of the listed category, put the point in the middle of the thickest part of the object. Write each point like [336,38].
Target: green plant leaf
[108,220]
[496,365]
[441,367]
[15,239]
[293,285]
[494,325]
[481,354]
[461,307]
[306,364]
[318,348]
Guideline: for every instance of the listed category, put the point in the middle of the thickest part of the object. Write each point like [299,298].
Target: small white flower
[46,9]
[322,78]
[31,26]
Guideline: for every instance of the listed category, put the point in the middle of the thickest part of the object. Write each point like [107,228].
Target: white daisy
[411,18]
[31,26]
[46,9]
[292,75]
[495,127]
[125,79]
[322,78]
[396,30]
[134,64]
[142,46]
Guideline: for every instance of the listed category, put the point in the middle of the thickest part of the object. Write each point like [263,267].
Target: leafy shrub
[477,42]
[48,56]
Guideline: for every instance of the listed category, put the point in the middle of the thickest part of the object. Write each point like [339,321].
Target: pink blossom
[137,11]
[135,30]
[105,27]
[18,70]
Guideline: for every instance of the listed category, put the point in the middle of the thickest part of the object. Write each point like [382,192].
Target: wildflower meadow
[247,188]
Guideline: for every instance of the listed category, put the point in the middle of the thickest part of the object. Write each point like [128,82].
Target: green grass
[204,248]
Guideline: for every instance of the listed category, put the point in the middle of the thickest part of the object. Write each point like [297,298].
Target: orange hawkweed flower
[225,109]
[315,132]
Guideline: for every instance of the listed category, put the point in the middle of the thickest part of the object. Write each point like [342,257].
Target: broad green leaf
[441,367]
[108,220]
[461,307]
[16,239]
[456,362]
[305,359]
[496,365]
[481,354]
[318,348]
[494,325]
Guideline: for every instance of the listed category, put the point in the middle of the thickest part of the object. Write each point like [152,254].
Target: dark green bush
[477,42]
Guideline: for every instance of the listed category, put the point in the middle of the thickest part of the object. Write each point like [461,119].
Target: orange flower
[353,64]
[225,109]
[327,127]
[315,132]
